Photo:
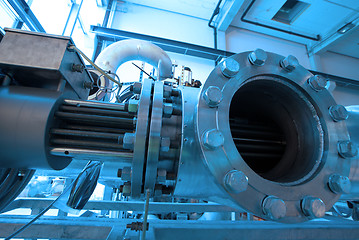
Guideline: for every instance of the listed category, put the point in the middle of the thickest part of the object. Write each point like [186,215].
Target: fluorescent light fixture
[346,28]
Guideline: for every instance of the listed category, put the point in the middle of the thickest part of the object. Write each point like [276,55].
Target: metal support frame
[227,14]
[72,19]
[26,15]
[109,34]
[95,228]
[136,206]
[112,35]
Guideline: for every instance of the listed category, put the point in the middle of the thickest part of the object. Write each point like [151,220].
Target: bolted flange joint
[339,184]
[317,83]
[313,207]
[229,67]
[289,63]
[133,106]
[213,96]
[235,181]
[136,87]
[129,140]
[257,57]
[213,139]
[338,113]
[347,149]
[274,207]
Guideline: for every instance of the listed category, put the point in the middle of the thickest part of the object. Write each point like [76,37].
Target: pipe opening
[276,130]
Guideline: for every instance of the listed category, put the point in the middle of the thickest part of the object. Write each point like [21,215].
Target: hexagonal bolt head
[289,63]
[167,91]
[347,149]
[132,106]
[235,181]
[229,67]
[88,85]
[257,57]
[213,139]
[313,207]
[161,176]
[274,207]
[126,174]
[165,144]
[213,96]
[77,68]
[126,189]
[338,113]
[129,141]
[167,110]
[339,184]
[136,87]
[317,82]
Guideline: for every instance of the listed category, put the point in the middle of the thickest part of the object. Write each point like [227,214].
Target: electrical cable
[143,71]
[47,208]
[73,47]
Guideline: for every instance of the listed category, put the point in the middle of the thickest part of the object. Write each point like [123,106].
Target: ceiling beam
[227,13]
[332,38]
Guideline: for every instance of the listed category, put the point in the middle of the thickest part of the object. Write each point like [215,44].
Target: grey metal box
[35,59]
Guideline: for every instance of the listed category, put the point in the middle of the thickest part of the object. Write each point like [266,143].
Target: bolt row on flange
[215,141]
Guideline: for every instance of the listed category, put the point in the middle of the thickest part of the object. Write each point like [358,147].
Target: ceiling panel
[319,18]
[348,44]
[196,8]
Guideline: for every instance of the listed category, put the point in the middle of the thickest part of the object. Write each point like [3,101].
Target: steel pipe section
[27,115]
[112,57]
[276,124]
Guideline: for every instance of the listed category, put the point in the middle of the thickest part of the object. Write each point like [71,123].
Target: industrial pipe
[112,57]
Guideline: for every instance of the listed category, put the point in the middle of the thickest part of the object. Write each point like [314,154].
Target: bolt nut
[119,172]
[229,67]
[289,63]
[126,174]
[165,144]
[317,82]
[167,91]
[339,184]
[126,189]
[132,106]
[136,87]
[88,85]
[167,109]
[347,149]
[313,207]
[161,176]
[129,141]
[213,96]
[274,207]
[213,139]
[77,68]
[257,57]
[338,113]
[235,181]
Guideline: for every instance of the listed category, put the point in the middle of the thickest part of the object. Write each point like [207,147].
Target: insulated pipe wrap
[112,57]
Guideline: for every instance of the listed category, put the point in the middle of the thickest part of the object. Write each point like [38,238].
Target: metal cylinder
[27,114]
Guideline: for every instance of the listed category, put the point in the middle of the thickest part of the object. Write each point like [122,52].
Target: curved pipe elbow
[112,57]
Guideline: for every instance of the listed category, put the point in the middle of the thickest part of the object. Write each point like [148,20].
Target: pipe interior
[276,130]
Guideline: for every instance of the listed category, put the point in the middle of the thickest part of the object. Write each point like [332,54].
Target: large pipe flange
[272,122]
[141,137]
